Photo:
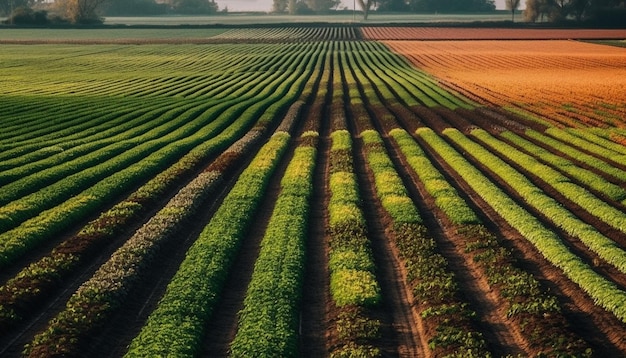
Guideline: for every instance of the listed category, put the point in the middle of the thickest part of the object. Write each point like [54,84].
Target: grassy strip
[268,322]
[604,293]
[606,248]
[536,313]
[597,207]
[433,284]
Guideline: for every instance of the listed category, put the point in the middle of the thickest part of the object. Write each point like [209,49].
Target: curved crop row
[176,325]
[605,293]
[603,246]
[558,181]
[535,313]
[588,178]
[32,231]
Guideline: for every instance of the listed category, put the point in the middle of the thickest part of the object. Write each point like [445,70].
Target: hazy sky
[266,5]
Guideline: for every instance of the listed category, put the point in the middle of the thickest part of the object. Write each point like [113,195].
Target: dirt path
[402,336]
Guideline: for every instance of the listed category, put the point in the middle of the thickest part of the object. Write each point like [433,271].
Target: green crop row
[536,314]
[89,168]
[50,221]
[36,280]
[268,322]
[594,181]
[599,136]
[109,286]
[446,197]
[174,328]
[580,142]
[434,287]
[605,293]
[353,283]
[176,325]
[548,206]
[579,195]
[577,154]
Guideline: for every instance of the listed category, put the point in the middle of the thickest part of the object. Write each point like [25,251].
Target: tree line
[90,11]
[607,11]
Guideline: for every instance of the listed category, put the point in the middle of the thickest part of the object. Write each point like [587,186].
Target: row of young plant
[36,281]
[606,248]
[451,331]
[408,83]
[536,314]
[122,268]
[20,239]
[601,137]
[33,153]
[269,321]
[353,284]
[586,177]
[354,287]
[576,153]
[38,186]
[572,191]
[78,204]
[247,83]
[291,33]
[604,293]
[176,326]
[590,146]
[215,86]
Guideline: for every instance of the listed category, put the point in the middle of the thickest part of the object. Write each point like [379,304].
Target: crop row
[18,240]
[290,33]
[548,206]
[110,285]
[434,287]
[605,293]
[588,178]
[175,326]
[268,322]
[558,181]
[535,313]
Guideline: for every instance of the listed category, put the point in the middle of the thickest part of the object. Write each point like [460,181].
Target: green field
[293,192]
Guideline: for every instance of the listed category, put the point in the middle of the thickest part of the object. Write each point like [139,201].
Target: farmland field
[312,191]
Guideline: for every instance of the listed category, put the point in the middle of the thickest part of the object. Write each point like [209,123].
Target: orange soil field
[463,33]
[568,83]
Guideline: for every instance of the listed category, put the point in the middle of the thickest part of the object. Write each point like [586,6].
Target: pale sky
[266,5]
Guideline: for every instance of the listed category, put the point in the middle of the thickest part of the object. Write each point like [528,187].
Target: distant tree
[194,6]
[80,11]
[280,6]
[366,6]
[512,5]
[7,6]
[537,10]
[393,6]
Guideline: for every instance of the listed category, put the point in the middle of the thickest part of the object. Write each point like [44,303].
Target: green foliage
[268,323]
[603,292]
